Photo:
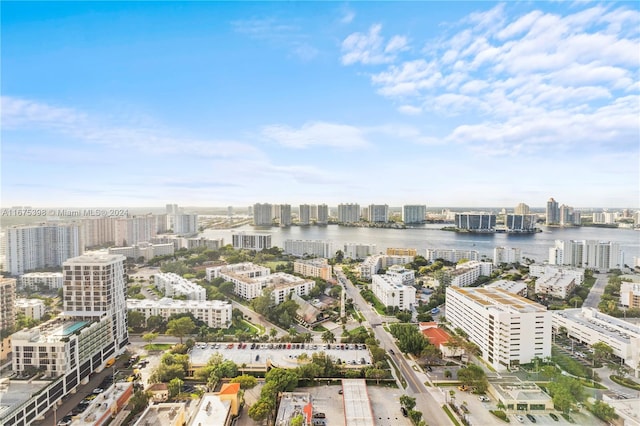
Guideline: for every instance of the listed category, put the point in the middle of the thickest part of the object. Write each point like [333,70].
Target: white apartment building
[467,273]
[358,251]
[630,294]
[590,326]
[30,308]
[451,255]
[144,250]
[313,268]
[262,214]
[183,224]
[559,285]
[506,255]
[304,216]
[522,208]
[605,217]
[214,313]
[391,291]
[171,284]
[476,221]
[404,276]
[378,213]
[414,214]
[515,287]
[95,287]
[599,255]
[508,329]
[373,264]
[188,243]
[348,213]
[244,277]
[322,215]
[45,245]
[33,280]
[539,270]
[285,215]
[301,248]
[133,230]
[98,231]
[282,285]
[251,241]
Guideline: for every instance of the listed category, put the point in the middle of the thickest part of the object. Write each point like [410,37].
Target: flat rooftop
[357,406]
[50,331]
[211,411]
[497,298]
[612,327]
[103,403]
[16,392]
[293,404]
[161,414]
[520,391]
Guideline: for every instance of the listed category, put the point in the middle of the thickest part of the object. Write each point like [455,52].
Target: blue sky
[213,104]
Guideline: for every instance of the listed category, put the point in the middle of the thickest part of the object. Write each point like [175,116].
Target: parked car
[404,411]
[520,418]
[531,418]
[554,417]
[483,398]
[463,388]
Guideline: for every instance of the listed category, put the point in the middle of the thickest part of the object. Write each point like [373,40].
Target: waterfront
[534,246]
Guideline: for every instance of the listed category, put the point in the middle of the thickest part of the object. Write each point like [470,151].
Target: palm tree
[328,337]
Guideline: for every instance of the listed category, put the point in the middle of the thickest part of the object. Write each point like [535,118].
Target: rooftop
[104,403]
[211,411]
[164,414]
[601,323]
[357,406]
[520,391]
[16,392]
[293,404]
[50,331]
[497,298]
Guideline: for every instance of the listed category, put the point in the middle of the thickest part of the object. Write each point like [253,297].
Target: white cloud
[348,16]
[317,133]
[370,48]
[284,35]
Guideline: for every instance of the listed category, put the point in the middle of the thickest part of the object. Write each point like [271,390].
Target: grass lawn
[158,346]
[274,264]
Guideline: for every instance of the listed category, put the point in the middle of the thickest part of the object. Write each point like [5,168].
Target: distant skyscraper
[348,213]
[7,304]
[285,215]
[522,208]
[262,214]
[476,221]
[414,213]
[520,222]
[172,209]
[322,217]
[378,213]
[553,212]
[599,255]
[41,246]
[304,218]
[95,286]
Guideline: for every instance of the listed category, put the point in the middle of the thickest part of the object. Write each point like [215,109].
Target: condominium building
[522,208]
[358,251]
[402,252]
[478,222]
[285,214]
[30,308]
[94,287]
[304,217]
[41,246]
[145,250]
[590,326]
[599,255]
[373,264]
[282,285]
[467,273]
[546,270]
[559,285]
[607,218]
[378,213]
[348,213]
[552,212]
[262,214]
[451,255]
[520,222]
[516,287]
[322,215]
[171,284]
[98,231]
[7,303]
[569,216]
[183,224]
[209,243]
[319,268]
[630,294]
[214,313]
[251,241]
[391,289]
[301,248]
[37,280]
[507,328]
[506,255]
[412,214]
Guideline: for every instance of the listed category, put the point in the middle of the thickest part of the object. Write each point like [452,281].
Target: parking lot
[385,403]
[279,354]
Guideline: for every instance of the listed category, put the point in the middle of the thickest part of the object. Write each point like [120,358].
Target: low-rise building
[107,404]
[630,294]
[294,404]
[373,264]
[516,287]
[539,270]
[358,250]
[391,290]
[30,308]
[439,338]
[467,273]
[171,284]
[301,248]
[282,285]
[402,252]
[257,242]
[517,396]
[145,250]
[212,410]
[506,255]
[451,255]
[319,268]
[165,414]
[159,392]
[508,329]
[35,280]
[590,326]
[214,313]
[559,286]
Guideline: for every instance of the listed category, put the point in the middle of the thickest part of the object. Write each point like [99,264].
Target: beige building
[30,308]
[164,414]
[34,280]
[630,294]
[7,314]
[313,268]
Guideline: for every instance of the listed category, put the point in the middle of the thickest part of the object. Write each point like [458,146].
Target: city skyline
[213,104]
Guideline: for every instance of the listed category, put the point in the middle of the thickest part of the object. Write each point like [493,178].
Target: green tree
[150,337]
[246,381]
[175,386]
[180,327]
[603,411]
[309,371]
[164,373]
[575,301]
[474,376]
[139,401]
[155,323]
[328,337]
[601,351]
[135,320]
[282,379]
[375,373]
[262,409]
[297,420]
[415,416]
[407,402]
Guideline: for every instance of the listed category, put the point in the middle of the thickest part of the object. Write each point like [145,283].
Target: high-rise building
[599,255]
[520,222]
[137,229]
[7,304]
[258,242]
[262,214]
[348,213]
[414,214]
[506,255]
[322,215]
[522,208]
[95,286]
[508,329]
[98,231]
[378,213]
[482,222]
[285,214]
[41,246]
[315,248]
[553,212]
[304,218]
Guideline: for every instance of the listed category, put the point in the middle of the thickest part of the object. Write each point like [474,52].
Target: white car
[483,398]
[520,418]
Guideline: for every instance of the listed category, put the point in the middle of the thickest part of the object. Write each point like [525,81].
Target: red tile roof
[230,389]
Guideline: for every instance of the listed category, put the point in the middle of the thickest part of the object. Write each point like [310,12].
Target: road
[425,402]
[593,299]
